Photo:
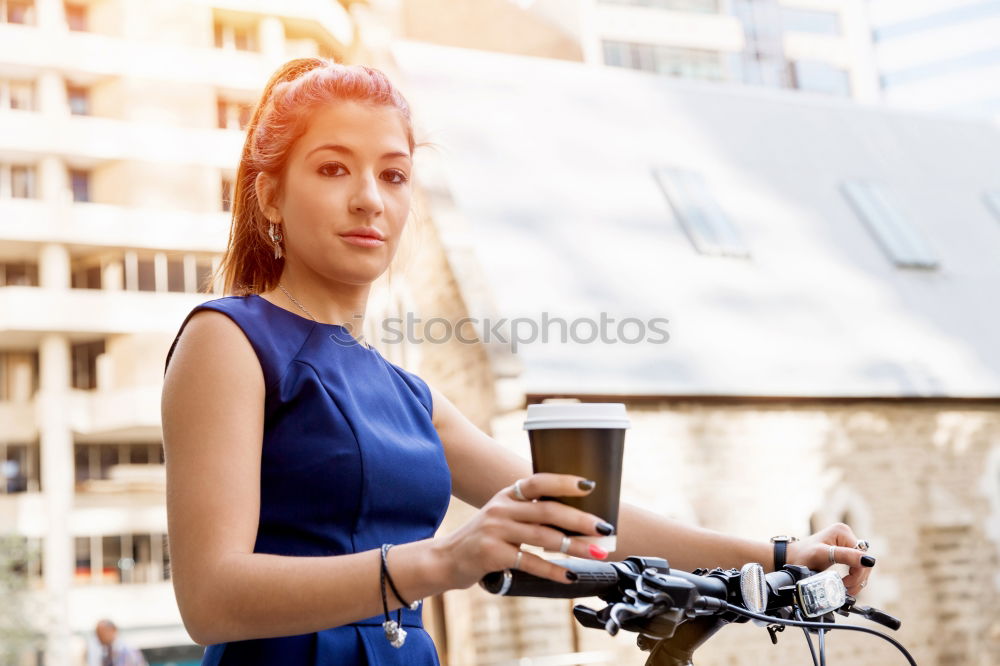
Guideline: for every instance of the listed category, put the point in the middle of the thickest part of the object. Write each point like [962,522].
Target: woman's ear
[264,187]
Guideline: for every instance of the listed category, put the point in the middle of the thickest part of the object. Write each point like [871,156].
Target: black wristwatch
[780,549]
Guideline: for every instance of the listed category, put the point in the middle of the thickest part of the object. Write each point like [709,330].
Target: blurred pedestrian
[106,649]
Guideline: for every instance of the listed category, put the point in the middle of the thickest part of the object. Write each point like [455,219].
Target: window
[18,375]
[815,76]
[175,274]
[18,274]
[86,277]
[701,217]
[17,95]
[80,183]
[810,20]
[19,471]
[18,11]
[22,182]
[79,99]
[992,200]
[238,37]
[900,241]
[233,115]
[76,16]
[670,60]
[132,558]
[93,461]
[147,274]
[84,355]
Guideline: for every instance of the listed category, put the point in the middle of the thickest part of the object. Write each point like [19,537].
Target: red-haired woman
[296,454]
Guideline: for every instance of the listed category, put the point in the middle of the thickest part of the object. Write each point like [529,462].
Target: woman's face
[364,181]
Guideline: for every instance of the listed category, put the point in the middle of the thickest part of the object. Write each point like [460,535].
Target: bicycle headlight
[753,588]
[820,594]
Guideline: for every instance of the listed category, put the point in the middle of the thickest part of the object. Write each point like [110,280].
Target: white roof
[550,165]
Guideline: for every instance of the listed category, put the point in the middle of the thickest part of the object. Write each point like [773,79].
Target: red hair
[294,91]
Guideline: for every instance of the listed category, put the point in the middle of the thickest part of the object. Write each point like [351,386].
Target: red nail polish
[597,551]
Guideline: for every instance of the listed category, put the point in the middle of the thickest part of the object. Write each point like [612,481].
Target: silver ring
[564,548]
[517,491]
[517,562]
[863,545]
[833,549]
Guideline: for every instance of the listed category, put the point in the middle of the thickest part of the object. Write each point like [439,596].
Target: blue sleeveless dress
[350,461]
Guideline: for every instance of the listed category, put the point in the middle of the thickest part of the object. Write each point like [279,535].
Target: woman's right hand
[491,540]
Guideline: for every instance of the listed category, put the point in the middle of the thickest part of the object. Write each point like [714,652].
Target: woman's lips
[363,241]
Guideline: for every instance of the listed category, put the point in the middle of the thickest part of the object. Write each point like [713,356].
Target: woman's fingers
[550,512]
[859,567]
[548,538]
[542,568]
[546,484]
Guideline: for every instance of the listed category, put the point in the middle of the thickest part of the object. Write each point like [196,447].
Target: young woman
[294,451]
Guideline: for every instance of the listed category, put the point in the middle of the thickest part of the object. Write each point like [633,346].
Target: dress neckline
[317,323]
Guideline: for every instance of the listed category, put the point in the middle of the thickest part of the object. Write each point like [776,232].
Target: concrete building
[120,132]
[818,46]
[825,268]
[941,55]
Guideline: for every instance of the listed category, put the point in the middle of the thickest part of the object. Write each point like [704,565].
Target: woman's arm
[480,467]
[213,416]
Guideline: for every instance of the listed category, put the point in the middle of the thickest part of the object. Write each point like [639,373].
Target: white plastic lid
[576,415]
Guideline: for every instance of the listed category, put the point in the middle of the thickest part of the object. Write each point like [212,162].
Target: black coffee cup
[586,439]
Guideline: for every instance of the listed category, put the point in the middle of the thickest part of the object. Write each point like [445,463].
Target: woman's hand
[814,552]
[492,539]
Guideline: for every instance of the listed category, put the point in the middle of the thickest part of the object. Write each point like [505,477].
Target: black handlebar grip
[593,579]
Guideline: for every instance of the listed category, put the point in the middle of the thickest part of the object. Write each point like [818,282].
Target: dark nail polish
[586,484]
[868,560]
[571,575]
[607,529]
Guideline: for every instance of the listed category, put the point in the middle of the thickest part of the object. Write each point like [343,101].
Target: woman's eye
[326,167]
[398,177]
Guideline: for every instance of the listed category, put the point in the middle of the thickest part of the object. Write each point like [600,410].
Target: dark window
[111,571]
[16,468]
[76,16]
[85,364]
[18,274]
[80,182]
[147,275]
[175,274]
[79,100]
[86,277]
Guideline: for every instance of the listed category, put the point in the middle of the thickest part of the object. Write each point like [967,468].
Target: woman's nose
[366,197]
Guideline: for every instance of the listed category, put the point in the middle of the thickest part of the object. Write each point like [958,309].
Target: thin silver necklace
[302,307]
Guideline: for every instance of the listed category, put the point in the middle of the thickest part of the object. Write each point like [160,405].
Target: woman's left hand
[814,552]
